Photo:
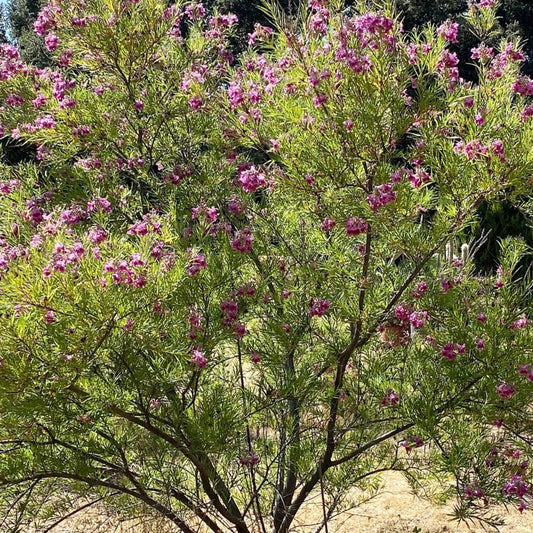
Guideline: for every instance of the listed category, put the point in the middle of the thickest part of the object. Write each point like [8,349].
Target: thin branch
[212,483]
[78,510]
[164,511]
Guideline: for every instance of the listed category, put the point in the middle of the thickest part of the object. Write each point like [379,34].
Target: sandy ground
[395,510]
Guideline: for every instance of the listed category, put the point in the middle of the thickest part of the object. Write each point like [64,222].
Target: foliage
[228,287]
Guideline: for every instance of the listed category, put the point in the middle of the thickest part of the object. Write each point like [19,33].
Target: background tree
[3,28]
[249,13]
[21,15]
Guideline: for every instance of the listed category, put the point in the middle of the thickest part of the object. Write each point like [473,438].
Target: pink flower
[448,351]
[381,196]
[418,177]
[355,226]
[195,11]
[255,357]
[327,224]
[99,204]
[398,175]
[390,399]
[14,100]
[448,30]
[480,344]
[7,187]
[230,310]
[242,242]
[261,33]
[235,95]
[506,390]
[318,23]
[446,285]
[524,370]
[405,444]
[527,112]
[49,317]
[81,131]
[319,99]
[468,101]
[97,235]
[39,100]
[518,488]
[482,52]
[158,250]
[196,102]
[198,359]
[418,319]
[65,57]
[521,323]
[236,206]
[138,228]
[210,213]
[251,179]
[45,20]
[420,289]
[412,442]
[523,86]
[198,263]
[402,312]
[155,403]
[447,60]
[194,320]
[249,460]
[72,216]
[481,318]
[51,41]
[286,293]
[240,330]
[318,307]
[472,491]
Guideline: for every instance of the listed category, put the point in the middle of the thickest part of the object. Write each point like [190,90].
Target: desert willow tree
[219,292]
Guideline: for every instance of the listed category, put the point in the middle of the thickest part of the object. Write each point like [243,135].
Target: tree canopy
[515,19]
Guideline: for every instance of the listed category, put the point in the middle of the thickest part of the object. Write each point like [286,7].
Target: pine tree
[20,17]
[3,32]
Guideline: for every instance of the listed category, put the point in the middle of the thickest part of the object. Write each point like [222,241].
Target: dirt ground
[395,510]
